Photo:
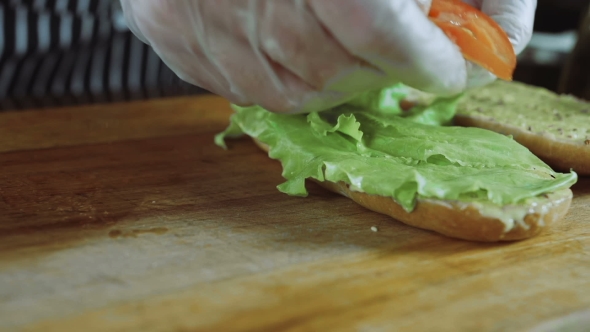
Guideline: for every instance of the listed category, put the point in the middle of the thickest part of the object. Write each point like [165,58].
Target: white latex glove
[298,55]
[516,17]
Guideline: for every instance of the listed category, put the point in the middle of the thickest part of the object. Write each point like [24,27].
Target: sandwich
[411,162]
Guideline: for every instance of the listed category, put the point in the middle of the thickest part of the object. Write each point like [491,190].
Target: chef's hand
[298,56]
[516,17]
[301,56]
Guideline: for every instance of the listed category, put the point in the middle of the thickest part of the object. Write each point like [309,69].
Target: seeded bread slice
[554,127]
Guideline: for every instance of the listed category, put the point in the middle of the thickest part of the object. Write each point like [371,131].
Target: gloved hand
[301,56]
[516,17]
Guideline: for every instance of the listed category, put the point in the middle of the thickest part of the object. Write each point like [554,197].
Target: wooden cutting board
[127,217]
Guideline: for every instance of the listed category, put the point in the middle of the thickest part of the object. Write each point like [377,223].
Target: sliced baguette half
[560,155]
[556,128]
[482,222]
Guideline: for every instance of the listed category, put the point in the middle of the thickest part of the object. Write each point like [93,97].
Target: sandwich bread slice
[554,127]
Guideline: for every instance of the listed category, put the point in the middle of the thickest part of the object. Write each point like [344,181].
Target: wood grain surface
[127,217]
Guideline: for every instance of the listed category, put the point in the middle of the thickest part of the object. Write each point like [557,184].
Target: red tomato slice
[479,37]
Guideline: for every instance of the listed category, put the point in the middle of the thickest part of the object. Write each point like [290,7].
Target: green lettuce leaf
[376,147]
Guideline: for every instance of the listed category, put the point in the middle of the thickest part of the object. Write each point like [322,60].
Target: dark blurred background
[66,52]
[557,30]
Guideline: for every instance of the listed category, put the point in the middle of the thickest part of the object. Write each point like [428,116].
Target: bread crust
[562,156]
[462,220]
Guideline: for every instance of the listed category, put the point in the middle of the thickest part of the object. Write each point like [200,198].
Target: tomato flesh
[480,39]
